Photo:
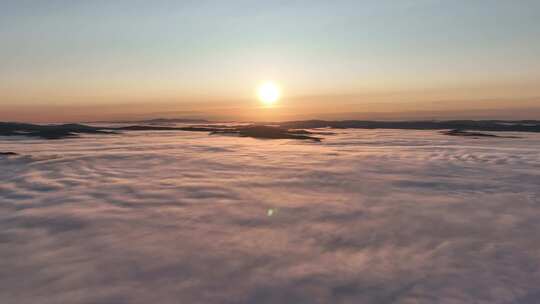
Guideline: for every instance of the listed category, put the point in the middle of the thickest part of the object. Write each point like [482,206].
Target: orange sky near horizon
[469,104]
[120,60]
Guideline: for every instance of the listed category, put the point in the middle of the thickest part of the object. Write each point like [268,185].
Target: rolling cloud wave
[365,216]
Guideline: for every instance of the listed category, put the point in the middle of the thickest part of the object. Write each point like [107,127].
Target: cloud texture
[178,217]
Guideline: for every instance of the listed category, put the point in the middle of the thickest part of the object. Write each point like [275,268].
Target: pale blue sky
[69,50]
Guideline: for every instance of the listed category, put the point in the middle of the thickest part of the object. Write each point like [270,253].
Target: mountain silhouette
[7,153]
[475,125]
[283,130]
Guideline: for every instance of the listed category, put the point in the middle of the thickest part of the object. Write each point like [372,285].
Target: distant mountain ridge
[158,121]
[475,125]
[73,130]
[283,130]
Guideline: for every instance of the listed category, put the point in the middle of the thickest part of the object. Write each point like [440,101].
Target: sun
[268,93]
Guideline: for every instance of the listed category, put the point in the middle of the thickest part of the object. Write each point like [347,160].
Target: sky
[95,60]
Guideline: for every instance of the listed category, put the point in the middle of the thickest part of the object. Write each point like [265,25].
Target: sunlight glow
[269,93]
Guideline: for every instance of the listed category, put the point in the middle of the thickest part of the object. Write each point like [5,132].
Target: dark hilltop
[284,130]
[73,130]
[471,125]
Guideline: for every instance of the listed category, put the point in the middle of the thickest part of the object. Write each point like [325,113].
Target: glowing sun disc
[269,93]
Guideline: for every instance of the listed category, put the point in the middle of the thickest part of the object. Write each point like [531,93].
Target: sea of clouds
[366,216]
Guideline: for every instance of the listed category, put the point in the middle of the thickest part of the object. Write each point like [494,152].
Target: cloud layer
[363,217]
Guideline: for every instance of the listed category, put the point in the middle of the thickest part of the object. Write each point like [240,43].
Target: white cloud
[363,217]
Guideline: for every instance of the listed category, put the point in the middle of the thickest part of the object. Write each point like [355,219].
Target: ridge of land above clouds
[280,130]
